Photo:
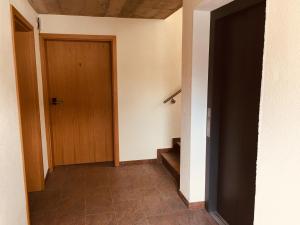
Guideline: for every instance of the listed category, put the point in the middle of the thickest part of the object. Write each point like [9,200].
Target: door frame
[213,109]
[78,37]
[17,17]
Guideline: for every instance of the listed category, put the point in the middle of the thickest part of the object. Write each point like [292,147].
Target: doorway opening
[235,70]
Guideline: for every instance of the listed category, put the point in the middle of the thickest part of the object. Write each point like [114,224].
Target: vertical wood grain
[80,74]
[44,38]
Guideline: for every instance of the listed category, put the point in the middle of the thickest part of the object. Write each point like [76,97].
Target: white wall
[196,34]
[12,188]
[278,165]
[149,69]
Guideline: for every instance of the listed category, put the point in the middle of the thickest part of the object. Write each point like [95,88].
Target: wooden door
[29,106]
[238,53]
[80,78]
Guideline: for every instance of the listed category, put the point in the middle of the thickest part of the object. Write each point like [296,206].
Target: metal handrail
[171,98]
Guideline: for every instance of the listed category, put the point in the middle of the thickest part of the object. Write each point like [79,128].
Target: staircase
[170,158]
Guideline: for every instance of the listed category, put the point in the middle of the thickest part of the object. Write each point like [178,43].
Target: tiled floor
[97,195]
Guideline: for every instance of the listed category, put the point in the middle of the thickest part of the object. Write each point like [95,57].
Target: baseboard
[191,205]
[138,162]
[102,164]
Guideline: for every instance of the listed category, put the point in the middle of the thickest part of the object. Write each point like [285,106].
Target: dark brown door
[80,88]
[238,53]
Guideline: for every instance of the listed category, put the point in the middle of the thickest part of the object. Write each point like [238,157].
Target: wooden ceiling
[148,9]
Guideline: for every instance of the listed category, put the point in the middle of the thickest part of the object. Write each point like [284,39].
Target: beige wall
[12,189]
[149,69]
[278,164]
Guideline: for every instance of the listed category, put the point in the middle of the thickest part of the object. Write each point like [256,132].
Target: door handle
[56,101]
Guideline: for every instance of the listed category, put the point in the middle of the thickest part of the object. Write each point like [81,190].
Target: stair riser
[172,171]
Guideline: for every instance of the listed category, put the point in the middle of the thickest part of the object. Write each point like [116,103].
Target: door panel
[29,110]
[79,75]
[238,53]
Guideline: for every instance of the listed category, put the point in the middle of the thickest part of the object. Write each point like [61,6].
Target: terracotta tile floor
[97,195]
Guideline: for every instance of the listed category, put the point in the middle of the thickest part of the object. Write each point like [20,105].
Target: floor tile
[69,218]
[108,218]
[99,201]
[42,218]
[55,180]
[96,195]
[121,194]
[180,218]
[154,206]
[44,201]
[130,213]
[71,203]
[97,179]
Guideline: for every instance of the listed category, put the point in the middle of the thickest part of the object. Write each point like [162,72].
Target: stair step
[172,159]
